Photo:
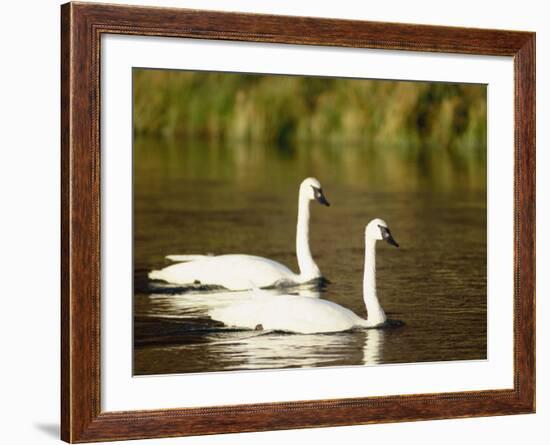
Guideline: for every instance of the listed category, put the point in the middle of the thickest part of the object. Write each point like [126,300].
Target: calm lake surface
[195,198]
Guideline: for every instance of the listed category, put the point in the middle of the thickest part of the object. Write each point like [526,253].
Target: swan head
[378,229]
[311,189]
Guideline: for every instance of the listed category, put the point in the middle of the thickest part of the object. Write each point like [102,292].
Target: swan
[306,315]
[235,271]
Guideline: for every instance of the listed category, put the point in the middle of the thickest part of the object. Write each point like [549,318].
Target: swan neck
[308,268]
[376,314]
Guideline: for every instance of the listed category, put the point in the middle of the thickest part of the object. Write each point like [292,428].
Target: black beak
[391,241]
[386,236]
[318,193]
[322,200]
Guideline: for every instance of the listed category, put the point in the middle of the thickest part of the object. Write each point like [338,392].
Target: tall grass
[289,109]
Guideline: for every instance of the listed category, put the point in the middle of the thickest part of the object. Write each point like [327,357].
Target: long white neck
[308,268]
[376,314]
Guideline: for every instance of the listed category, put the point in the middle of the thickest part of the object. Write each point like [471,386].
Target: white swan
[236,272]
[307,315]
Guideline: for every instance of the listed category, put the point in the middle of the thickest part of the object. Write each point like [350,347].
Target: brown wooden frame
[82,25]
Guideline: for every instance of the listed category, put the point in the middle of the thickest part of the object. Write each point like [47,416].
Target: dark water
[204,198]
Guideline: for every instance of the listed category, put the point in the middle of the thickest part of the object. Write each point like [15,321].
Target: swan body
[234,272]
[290,313]
[237,271]
[311,315]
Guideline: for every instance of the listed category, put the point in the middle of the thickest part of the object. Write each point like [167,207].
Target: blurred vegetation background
[283,110]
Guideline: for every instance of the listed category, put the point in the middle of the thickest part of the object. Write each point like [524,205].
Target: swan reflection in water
[280,350]
[236,349]
[201,303]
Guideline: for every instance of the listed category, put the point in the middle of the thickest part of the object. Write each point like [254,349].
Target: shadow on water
[196,198]
[182,327]
[236,349]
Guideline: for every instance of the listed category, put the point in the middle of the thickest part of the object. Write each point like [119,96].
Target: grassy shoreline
[287,109]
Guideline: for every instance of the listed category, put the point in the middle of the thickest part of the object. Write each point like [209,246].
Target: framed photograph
[274,222]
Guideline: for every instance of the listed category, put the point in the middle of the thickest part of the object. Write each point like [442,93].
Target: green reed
[286,110]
